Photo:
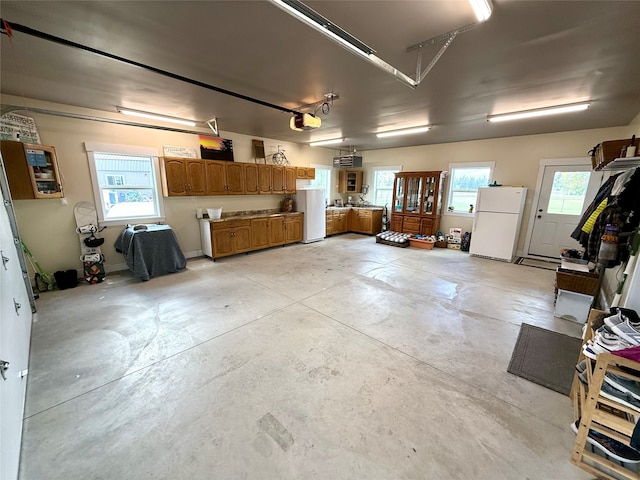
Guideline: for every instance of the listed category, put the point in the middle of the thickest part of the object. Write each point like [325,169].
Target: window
[115,180]
[383,178]
[464,181]
[125,184]
[323,180]
[568,192]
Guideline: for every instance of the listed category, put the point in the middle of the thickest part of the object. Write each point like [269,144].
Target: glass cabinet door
[429,191]
[399,194]
[414,190]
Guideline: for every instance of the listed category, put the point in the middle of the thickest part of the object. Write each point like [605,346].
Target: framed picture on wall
[215,148]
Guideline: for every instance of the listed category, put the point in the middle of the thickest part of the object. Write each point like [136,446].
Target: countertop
[249,214]
[349,207]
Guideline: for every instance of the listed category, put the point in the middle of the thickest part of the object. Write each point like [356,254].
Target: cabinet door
[311,173]
[276,231]
[234,174]
[264,178]
[396,223]
[277,179]
[342,181]
[329,223]
[398,195]
[175,176]
[359,176]
[216,181]
[242,239]
[341,223]
[426,226]
[293,229]
[414,194]
[289,179]
[222,242]
[251,179]
[364,222]
[196,177]
[260,233]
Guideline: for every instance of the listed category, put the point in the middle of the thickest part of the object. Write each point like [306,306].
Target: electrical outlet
[64,201]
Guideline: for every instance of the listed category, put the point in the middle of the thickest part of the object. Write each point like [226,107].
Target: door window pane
[568,193]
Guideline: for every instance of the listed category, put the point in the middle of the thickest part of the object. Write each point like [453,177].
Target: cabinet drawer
[230,224]
[410,221]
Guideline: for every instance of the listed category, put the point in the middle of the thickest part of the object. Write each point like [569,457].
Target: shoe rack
[608,417]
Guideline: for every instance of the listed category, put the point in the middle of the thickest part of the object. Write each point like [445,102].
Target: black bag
[465,242]
[66,279]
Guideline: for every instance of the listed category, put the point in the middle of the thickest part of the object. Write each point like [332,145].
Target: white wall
[48,227]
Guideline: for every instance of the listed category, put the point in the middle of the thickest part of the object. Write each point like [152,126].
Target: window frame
[327,187]
[450,191]
[383,168]
[91,148]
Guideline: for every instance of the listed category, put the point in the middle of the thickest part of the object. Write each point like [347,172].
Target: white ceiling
[529,54]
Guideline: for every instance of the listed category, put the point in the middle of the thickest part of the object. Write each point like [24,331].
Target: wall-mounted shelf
[622,163]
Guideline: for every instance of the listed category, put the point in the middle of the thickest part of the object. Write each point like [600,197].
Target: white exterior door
[565,192]
[15,331]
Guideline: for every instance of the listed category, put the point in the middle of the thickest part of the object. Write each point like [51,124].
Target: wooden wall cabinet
[192,176]
[32,170]
[289,180]
[264,179]
[277,179]
[251,185]
[305,173]
[417,202]
[350,181]
[184,176]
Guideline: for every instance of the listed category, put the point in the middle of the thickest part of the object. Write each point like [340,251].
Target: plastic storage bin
[573,306]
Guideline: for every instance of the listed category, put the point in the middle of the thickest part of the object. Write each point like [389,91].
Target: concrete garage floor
[343,359]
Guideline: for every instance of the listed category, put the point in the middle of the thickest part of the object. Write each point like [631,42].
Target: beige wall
[517,160]
[48,227]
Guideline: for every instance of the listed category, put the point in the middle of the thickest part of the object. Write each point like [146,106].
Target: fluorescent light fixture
[153,116]
[538,112]
[404,131]
[482,9]
[321,143]
[323,25]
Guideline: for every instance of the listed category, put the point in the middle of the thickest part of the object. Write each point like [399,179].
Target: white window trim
[373,189]
[445,206]
[92,147]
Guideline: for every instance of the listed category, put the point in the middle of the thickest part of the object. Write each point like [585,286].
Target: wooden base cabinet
[359,220]
[229,238]
[238,235]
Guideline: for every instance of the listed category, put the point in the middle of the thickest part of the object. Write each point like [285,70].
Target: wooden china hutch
[417,202]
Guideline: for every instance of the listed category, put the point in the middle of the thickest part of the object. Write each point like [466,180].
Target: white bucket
[214,213]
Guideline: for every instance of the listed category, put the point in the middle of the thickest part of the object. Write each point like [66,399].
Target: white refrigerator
[496,223]
[311,202]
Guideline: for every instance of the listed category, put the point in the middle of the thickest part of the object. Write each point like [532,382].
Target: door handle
[4,259]
[4,366]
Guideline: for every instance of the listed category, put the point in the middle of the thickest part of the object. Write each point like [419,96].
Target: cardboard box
[609,150]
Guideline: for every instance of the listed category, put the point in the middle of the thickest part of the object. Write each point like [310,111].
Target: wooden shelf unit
[32,170]
[601,414]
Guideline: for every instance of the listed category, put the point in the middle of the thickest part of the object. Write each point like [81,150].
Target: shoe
[628,332]
[609,341]
[582,366]
[609,446]
[616,395]
[588,352]
[619,315]
[623,384]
